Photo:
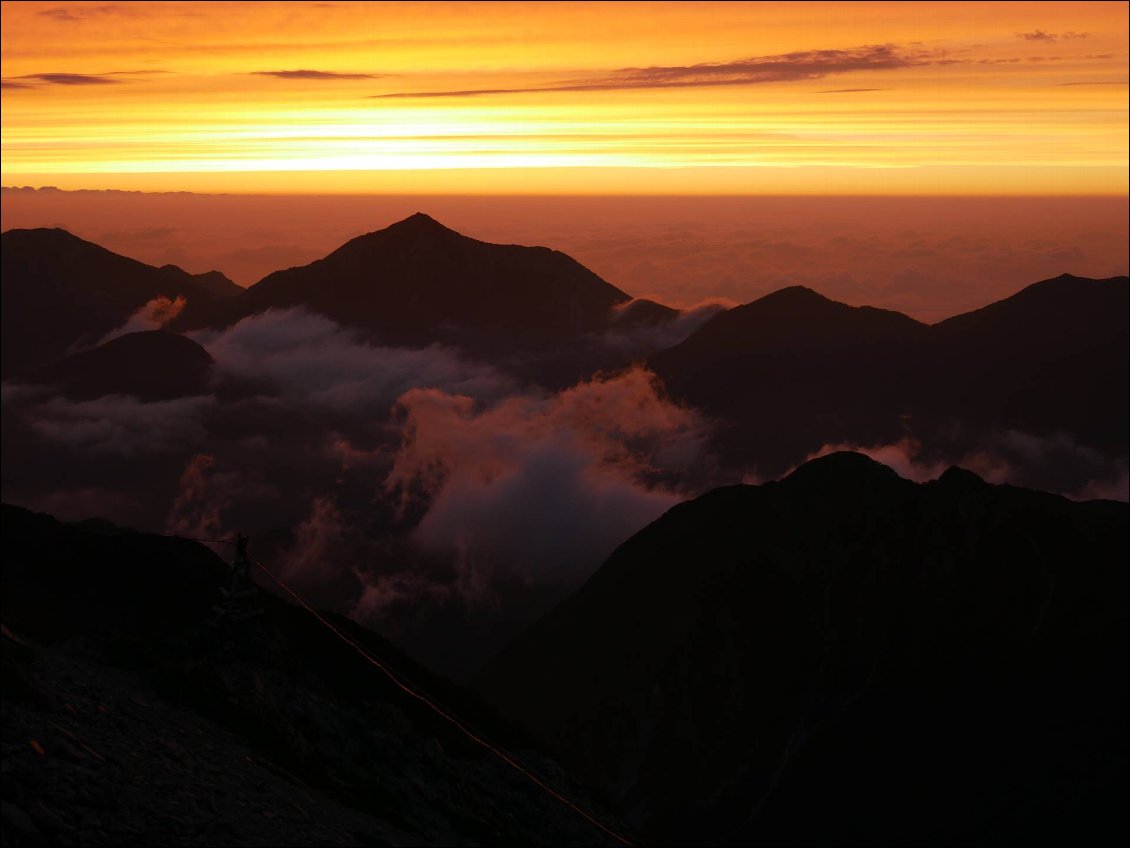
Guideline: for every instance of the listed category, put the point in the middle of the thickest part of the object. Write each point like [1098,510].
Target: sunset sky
[569,98]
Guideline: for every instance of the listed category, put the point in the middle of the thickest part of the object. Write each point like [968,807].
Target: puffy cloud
[643,339]
[548,484]
[315,539]
[306,357]
[1116,487]
[116,425]
[903,456]
[15,393]
[152,316]
[200,501]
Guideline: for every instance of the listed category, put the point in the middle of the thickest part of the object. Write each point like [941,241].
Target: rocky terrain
[129,721]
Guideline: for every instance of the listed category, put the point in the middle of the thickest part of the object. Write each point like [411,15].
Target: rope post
[237,599]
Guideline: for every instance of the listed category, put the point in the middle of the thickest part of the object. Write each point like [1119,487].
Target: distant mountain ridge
[417,282]
[57,289]
[783,376]
[213,282]
[793,371]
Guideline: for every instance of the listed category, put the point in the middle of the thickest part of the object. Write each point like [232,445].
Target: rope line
[408,690]
[196,539]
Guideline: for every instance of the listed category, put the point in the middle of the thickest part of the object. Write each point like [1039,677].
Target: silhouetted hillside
[417,282]
[794,371]
[1053,357]
[846,657]
[57,289]
[643,313]
[128,720]
[152,365]
[212,281]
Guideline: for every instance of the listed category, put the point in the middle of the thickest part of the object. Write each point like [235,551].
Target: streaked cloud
[1040,35]
[73,79]
[306,74]
[78,13]
[786,67]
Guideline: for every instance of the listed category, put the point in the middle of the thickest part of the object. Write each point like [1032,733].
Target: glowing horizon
[568,98]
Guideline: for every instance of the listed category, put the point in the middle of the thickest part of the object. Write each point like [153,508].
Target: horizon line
[50,190]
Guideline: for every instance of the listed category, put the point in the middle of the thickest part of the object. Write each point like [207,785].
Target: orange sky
[584,98]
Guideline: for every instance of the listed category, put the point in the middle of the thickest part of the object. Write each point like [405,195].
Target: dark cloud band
[306,74]
[787,67]
[72,79]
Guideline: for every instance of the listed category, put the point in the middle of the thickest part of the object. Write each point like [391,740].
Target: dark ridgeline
[783,375]
[152,365]
[416,283]
[642,312]
[154,728]
[794,371]
[57,290]
[212,282]
[1053,357]
[846,657]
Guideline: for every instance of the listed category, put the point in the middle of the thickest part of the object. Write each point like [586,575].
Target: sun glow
[799,98]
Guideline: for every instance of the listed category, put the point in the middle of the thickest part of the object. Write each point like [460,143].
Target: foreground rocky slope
[127,722]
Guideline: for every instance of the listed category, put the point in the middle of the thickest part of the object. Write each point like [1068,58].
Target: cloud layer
[785,67]
[305,357]
[307,74]
[154,315]
[545,484]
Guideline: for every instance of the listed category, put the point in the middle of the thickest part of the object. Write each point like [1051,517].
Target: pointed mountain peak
[798,300]
[411,230]
[420,223]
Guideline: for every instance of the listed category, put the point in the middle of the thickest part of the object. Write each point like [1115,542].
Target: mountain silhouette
[417,282]
[128,717]
[57,289]
[794,371]
[642,312]
[153,365]
[1053,357]
[919,663]
[212,281]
